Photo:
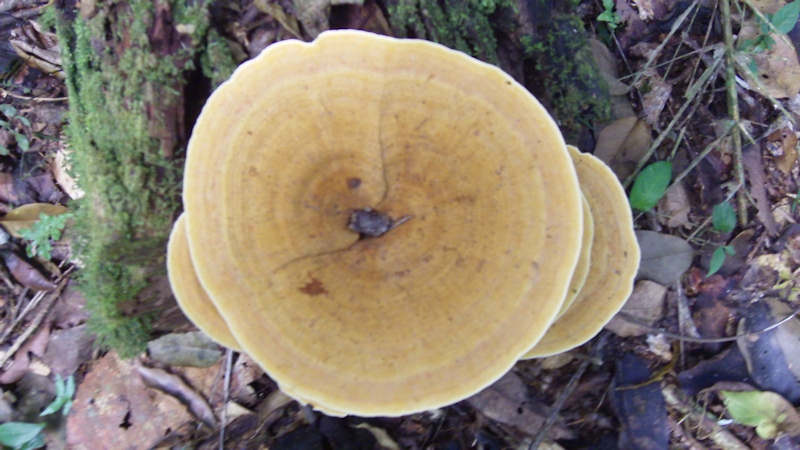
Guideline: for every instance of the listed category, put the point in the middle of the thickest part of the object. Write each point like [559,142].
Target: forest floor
[705,353]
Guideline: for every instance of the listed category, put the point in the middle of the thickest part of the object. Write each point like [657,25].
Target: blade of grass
[733,106]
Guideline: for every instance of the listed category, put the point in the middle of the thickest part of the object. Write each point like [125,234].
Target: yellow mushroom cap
[614,261]
[441,305]
[582,269]
[191,296]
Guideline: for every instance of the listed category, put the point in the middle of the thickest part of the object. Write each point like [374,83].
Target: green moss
[217,61]
[575,92]
[121,91]
[464,25]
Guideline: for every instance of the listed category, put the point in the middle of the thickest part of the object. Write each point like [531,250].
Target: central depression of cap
[438,307]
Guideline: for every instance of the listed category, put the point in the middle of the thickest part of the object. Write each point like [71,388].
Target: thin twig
[6,92]
[733,107]
[48,303]
[642,323]
[226,396]
[691,93]
[28,308]
[675,27]
[722,437]
[562,398]
[695,161]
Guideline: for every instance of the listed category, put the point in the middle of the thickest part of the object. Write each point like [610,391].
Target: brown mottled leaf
[751,159]
[26,274]
[655,97]
[674,207]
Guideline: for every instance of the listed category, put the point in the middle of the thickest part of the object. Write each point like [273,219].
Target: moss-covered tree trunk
[127,63]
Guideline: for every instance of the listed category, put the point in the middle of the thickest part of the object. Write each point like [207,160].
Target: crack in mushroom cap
[614,261]
[438,307]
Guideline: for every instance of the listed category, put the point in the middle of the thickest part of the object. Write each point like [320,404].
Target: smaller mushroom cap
[191,296]
[614,260]
[582,269]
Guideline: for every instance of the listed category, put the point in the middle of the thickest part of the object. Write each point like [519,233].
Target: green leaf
[729,250]
[59,386]
[723,218]
[8,110]
[24,121]
[786,18]
[68,393]
[22,142]
[16,434]
[54,406]
[36,442]
[70,390]
[650,185]
[4,151]
[48,228]
[770,413]
[608,5]
[606,16]
[717,259]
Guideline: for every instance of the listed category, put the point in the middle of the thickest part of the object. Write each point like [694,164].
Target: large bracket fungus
[345,309]
[613,264]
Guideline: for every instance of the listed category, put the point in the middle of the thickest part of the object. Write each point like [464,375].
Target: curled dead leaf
[176,387]
[26,274]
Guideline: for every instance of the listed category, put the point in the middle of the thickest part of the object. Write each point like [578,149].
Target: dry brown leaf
[622,143]
[313,14]
[778,69]
[656,96]
[70,309]
[751,159]
[176,387]
[607,66]
[646,303]
[36,345]
[276,11]
[26,274]
[674,207]
[507,402]
[69,349]
[782,144]
[25,216]
[645,8]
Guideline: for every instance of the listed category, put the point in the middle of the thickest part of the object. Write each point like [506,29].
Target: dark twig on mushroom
[370,223]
